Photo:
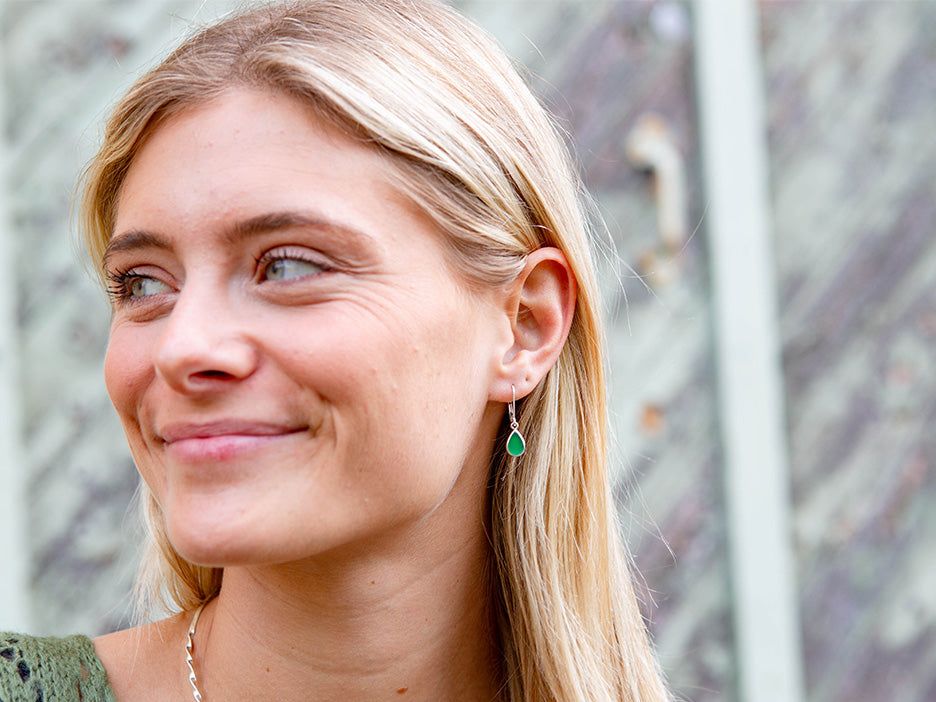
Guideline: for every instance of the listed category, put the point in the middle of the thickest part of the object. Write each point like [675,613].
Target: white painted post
[14,600]
[734,156]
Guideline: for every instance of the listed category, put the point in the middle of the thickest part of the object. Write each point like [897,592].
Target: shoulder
[142,663]
[35,668]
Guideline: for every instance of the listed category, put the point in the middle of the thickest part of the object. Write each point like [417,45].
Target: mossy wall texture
[851,93]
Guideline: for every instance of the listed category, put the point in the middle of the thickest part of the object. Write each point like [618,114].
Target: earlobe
[540,307]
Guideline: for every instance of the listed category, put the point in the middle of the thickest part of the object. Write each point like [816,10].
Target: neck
[355,627]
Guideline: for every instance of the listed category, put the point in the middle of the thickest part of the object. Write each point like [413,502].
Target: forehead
[246,133]
[251,153]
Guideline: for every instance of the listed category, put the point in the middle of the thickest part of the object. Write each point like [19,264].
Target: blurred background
[846,113]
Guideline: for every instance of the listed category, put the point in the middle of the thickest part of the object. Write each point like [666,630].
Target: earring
[515,443]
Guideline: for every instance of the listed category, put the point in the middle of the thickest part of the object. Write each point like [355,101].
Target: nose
[204,346]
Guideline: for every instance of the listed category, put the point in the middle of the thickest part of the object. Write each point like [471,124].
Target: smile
[218,441]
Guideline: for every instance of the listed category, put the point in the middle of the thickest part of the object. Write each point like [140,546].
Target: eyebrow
[136,239]
[275,221]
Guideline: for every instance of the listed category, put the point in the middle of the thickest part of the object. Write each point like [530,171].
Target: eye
[277,266]
[144,286]
[127,286]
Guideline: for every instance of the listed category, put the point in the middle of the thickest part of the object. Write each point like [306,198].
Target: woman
[356,352]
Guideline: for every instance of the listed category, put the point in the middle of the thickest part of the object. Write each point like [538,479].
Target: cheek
[126,370]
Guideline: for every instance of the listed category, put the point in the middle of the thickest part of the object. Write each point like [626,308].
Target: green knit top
[46,669]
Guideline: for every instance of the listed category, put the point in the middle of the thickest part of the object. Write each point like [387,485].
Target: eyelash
[118,286]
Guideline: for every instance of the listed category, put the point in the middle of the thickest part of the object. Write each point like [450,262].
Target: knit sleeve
[46,669]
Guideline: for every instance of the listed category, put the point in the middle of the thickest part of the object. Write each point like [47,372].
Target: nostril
[212,374]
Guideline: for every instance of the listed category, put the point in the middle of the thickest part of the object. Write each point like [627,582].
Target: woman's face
[295,364]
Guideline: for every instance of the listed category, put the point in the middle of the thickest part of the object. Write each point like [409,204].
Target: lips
[224,439]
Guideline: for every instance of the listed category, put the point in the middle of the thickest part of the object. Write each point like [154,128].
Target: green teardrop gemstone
[515,444]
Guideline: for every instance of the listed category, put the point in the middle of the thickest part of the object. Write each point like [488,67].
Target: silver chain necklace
[190,644]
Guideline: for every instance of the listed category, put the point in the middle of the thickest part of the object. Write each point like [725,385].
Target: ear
[540,308]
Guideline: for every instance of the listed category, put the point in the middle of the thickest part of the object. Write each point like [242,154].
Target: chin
[212,542]
[239,544]
[208,552]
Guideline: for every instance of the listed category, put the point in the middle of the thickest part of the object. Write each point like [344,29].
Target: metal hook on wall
[651,145]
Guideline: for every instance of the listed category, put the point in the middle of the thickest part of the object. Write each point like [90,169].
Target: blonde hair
[479,155]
